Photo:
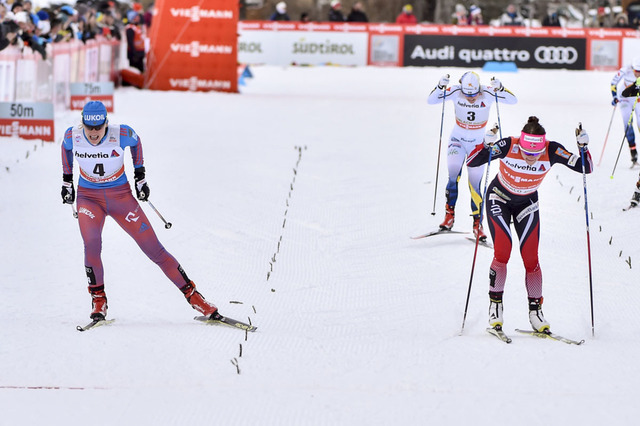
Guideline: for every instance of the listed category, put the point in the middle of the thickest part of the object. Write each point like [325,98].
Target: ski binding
[549,335]
[499,333]
[94,324]
[219,319]
[438,232]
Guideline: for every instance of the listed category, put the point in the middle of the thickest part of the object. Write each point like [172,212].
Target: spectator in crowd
[552,19]
[27,33]
[357,13]
[335,13]
[108,26]
[135,41]
[3,12]
[475,15]
[280,13]
[16,7]
[460,16]
[511,17]
[406,16]
[622,21]
[8,33]
[304,17]
[147,16]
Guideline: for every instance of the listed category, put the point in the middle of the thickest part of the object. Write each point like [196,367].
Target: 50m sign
[25,120]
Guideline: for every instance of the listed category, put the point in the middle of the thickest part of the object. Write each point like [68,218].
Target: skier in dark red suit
[513,196]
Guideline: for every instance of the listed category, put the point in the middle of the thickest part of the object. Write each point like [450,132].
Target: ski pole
[484,195]
[586,211]
[625,134]
[435,191]
[607,136]
[166,224]
[73,209]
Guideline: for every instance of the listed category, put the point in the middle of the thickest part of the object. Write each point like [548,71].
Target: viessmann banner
[193,46]
[467,51]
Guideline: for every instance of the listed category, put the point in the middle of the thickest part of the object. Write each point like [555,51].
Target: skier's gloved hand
[142,189]
[68,192]
[582,137]
[631,91]
[497,85]
[614,101]
[444,81]
[491,137]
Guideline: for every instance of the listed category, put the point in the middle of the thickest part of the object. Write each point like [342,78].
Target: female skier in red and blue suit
[513,195]
[103,190]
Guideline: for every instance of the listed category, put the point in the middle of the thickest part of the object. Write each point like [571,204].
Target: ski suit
[471,119]
[621,80]
[513,195]
[103,190]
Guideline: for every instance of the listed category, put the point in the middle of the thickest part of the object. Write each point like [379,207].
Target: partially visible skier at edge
[472,103]
[103,190]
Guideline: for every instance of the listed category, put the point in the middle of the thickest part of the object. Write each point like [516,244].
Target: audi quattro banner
[193,46]
[466,51]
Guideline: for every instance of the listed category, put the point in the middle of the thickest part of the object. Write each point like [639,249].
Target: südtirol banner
[193,46]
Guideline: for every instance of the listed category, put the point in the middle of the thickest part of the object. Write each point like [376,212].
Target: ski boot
[98,303]
[536,317]
[634,156]
[449,216]
[198,302]
[477,229]
[635,198]
[495,310]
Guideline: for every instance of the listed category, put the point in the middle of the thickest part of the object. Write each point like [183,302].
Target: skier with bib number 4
[472,104]
[103,190]
[512,196]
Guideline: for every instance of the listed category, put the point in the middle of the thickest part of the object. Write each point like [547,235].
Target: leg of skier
[455,160]
[475,177]
[527,225]
[91,218]
[126,211]
[498,215]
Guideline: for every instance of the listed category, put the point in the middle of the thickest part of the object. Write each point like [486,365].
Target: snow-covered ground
[292,204]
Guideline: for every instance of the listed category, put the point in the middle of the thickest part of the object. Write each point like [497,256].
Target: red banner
[27,129]
[193,46]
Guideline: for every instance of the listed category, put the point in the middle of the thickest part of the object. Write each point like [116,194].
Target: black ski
[484,243]
[631,206]
[438,232]
[549,335]
[94,324]
[226,321]
[499,333]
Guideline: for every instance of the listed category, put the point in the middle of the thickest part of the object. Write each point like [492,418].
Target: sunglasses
[531,154]
[100,127]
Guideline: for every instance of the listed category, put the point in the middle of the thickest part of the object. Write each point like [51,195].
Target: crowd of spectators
[24,27]
[512,15]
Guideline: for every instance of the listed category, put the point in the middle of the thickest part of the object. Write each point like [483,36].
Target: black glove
[142,189]
[631,91]
[68,192]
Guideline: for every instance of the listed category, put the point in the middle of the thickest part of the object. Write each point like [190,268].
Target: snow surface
[316,178]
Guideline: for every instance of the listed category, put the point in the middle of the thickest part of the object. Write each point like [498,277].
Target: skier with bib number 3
[103,190]
[472,103]
[512,196]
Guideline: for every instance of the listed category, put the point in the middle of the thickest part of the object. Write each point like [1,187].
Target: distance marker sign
[81,93]
[27,120]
